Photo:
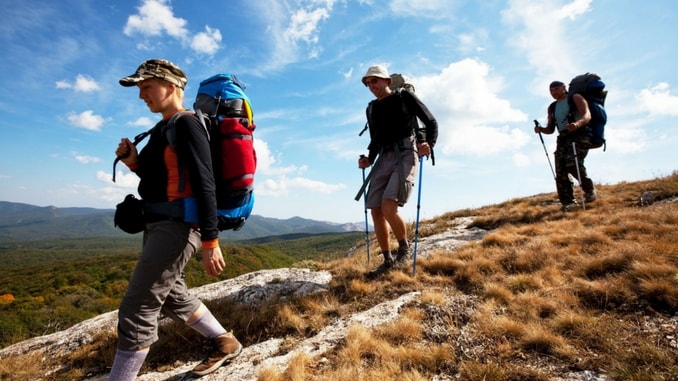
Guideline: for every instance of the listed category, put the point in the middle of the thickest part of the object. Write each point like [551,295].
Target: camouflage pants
[566,166]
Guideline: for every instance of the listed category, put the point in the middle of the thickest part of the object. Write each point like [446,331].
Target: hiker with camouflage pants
[571,128]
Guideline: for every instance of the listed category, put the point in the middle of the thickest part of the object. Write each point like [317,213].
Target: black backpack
[592,88]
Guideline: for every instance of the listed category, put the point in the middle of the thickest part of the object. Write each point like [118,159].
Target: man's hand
[213,261]
[424,149]
[363,162]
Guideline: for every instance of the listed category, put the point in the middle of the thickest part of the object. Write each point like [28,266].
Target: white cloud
[287,25]
[85,84]
[281,186]
[87,120]
[156,17]
[304,25]
[63,85]
[82,84]
[539,31]
[207,42]
[574,9]
[422,8]
[86,159]
[274,181]
[658,100]
[465,99]
[123,177]
[142,122]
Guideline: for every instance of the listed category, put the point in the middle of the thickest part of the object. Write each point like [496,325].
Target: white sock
[208,325]
[126,365]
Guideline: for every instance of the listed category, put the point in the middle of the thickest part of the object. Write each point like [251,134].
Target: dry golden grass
[543,293]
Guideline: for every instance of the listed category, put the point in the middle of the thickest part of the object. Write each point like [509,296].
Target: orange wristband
[210,244]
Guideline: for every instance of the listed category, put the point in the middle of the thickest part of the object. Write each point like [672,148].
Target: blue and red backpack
[225,111]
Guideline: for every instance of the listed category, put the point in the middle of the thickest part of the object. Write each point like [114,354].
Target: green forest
[49,285]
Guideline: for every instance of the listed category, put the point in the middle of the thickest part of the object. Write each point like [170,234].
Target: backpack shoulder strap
[170,132]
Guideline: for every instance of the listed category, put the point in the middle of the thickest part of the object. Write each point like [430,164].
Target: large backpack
[226,113]
[592,88]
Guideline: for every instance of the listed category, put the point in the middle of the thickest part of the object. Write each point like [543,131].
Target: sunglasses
[371,81]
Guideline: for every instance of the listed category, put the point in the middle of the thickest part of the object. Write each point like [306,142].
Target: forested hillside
[49,285]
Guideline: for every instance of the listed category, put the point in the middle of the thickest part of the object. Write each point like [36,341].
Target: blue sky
[482,67]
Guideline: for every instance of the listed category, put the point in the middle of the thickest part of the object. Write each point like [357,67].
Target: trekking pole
[416,225]
[576,163]
[536,124]
[367,232]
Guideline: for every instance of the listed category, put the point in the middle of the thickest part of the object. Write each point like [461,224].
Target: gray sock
[208,325]
[126,365]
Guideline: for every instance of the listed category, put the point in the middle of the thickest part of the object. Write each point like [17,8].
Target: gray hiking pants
[157,284]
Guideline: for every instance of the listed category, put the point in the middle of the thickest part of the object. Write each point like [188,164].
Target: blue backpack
[225,112]
[592,88]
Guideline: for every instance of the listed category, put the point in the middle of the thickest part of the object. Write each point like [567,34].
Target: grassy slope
[544,293]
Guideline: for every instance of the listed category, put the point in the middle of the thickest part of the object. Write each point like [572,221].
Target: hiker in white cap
[395,143]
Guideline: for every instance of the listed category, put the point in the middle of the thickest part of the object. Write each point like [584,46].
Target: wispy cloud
[292,29]
[85,159]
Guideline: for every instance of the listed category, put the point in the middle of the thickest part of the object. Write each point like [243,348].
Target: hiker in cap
[394,146]
[571,129]
[157,284]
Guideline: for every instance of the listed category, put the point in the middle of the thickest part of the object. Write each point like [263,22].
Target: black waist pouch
[129,215]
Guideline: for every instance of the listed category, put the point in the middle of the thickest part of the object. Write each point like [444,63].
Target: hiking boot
[570,207]
[227,348]
[591,196]
[381,270]
[403,255]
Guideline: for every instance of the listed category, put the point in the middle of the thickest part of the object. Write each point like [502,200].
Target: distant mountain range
[20,222]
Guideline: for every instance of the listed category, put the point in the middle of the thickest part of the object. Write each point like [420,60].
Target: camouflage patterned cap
[156,68]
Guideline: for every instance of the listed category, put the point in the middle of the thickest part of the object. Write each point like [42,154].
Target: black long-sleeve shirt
[394,118]
[159,167]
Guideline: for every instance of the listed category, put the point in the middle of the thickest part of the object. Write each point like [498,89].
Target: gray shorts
[157,284]
[385,183]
